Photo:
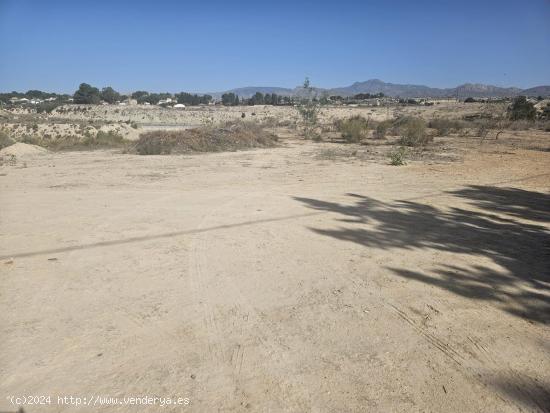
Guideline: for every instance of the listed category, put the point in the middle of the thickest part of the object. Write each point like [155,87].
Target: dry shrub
[105,139]
[229,137]
[445,126]
[353,129]
[413,131]
[5,140]
[381,129]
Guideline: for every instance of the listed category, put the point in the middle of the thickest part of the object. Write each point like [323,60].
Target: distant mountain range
[374,86]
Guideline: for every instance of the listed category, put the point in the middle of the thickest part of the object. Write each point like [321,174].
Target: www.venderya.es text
[97,400]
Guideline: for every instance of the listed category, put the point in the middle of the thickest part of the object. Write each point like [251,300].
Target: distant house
[165,101]
[17,100]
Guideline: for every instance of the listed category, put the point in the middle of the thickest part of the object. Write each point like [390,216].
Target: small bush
[5,140]
[414,133]
[399,124]
[445,126]
[381,129]
[353,129]
[155,143]
[397,156]
[105,140]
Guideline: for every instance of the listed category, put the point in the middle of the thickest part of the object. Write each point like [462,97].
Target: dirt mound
[230,137]
[20,149]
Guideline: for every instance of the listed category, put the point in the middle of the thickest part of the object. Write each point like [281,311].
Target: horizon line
[282,87]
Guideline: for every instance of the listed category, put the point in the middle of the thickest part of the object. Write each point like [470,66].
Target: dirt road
[271,280]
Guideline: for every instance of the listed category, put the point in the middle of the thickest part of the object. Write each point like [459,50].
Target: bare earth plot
[275,280]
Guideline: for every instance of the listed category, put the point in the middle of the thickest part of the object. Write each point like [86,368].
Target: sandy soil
[277,280]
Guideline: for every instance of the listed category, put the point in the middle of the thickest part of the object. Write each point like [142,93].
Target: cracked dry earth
[268,280]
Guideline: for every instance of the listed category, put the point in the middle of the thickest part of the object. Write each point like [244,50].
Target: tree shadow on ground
[522,250]
[519,203]
[532,394]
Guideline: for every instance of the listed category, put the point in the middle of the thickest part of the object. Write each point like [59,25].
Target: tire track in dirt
[231,331]
[480,363]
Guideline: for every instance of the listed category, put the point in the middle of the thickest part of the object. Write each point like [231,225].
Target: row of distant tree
[359,96]
[142,96]
[231,99]
[87,94]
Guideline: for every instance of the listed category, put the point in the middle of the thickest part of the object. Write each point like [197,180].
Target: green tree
[140,94]
[87,94]
[109,95]
[257,99]
[228,99]
[152,98]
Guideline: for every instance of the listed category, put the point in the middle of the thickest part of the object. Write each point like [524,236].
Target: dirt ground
[279,279]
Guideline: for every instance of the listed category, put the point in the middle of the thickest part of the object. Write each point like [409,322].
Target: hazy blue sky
[206,46]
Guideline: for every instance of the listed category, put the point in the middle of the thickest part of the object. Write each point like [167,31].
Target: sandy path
[271,281]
